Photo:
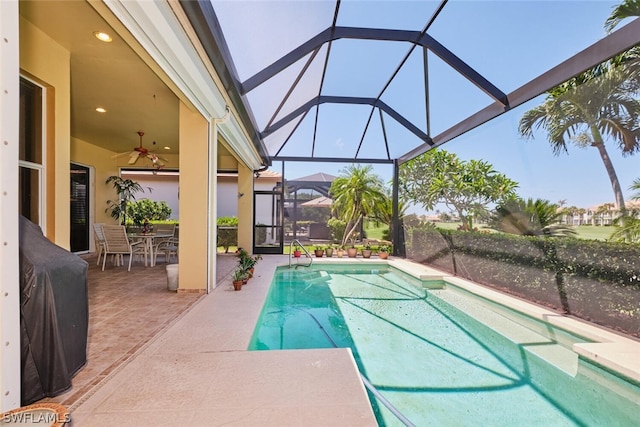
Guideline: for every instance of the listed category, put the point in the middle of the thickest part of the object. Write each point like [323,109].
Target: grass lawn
[373,231]
[593,232]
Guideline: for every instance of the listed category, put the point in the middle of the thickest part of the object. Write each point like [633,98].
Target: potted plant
[247,262]
[329,251]
[238,278]
[297,253]
[319,251]
[383,252]
[126,190]
[352,251]
[340,252]
[367,251]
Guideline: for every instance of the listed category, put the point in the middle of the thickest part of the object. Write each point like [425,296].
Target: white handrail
[297,242]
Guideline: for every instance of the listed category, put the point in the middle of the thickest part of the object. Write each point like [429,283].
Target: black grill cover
[54,314]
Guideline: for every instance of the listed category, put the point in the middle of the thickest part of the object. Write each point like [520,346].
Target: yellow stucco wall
[49,63]
[194,138]
[245,207]
[103,167]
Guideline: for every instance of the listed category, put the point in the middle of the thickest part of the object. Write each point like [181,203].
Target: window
[31,158]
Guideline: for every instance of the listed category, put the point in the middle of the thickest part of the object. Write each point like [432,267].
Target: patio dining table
[149,240]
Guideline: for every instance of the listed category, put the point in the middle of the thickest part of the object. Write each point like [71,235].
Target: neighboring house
[603,214]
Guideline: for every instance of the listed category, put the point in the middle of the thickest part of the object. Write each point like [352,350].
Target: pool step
[306,276]
[545,347]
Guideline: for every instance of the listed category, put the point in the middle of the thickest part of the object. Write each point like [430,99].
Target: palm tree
[384,213]
[626,9]
[126,190]
[628,226]
[531,218]
[587,113]
[356,193]
[629,60]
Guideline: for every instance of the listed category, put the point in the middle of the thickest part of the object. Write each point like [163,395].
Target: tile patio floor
[127,309]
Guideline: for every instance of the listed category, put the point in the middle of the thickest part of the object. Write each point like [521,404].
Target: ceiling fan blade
[133,157]
[115,156]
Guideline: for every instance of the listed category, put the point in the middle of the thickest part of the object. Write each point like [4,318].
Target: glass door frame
[86,231]
[278,204]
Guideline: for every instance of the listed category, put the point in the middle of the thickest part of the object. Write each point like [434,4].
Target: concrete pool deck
[199,373]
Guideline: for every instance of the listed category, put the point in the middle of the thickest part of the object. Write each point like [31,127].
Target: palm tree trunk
[350,232]
[348,229]
[613,177]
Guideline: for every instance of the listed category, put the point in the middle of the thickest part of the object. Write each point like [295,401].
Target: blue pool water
[433,355]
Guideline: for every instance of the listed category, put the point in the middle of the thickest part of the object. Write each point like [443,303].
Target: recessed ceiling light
[166,147]
[101,110]
[102,36]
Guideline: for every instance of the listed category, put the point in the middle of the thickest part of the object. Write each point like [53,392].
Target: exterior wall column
[50,64]
[245,207]
[9,273]
[193,189]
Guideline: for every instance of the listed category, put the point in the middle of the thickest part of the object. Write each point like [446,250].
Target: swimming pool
[440,356]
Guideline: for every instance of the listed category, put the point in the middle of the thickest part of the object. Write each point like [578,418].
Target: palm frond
[626,9]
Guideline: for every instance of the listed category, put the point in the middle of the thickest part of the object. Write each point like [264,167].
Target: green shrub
[260,234]
[230,221]
[227,232]
[151,210]
[594,280]
[336,227]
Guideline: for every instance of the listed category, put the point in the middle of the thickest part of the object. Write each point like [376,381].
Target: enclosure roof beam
[619,41]
[335,33]
[329,159]
[347,100]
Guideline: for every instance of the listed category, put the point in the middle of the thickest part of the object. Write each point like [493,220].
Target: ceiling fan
[157,162]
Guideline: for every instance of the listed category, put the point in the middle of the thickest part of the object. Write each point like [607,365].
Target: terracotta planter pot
[352,252]
[366,253]
[237,285]
[319,253]
[383,255]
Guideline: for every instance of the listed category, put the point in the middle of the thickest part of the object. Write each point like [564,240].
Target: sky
[508,42]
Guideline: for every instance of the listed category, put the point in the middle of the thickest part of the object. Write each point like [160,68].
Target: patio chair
[168,246]
[164,229]
[117,243]
[99,239]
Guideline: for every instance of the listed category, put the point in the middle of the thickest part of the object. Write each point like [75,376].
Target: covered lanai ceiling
[380,80]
